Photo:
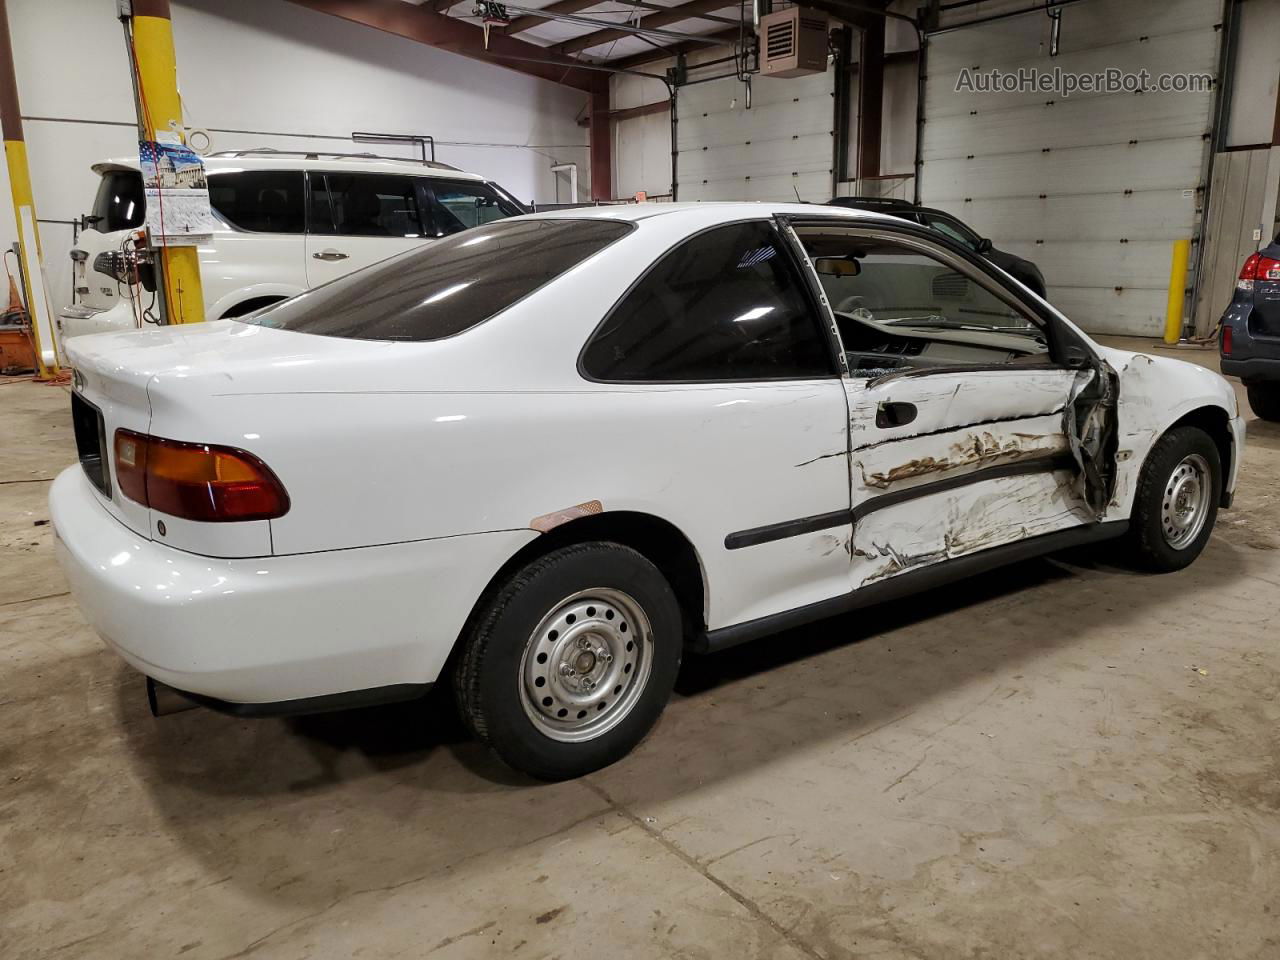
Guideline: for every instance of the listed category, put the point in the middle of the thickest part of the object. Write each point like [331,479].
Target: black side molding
[1016,468]
[350,700]
[912,581]
[787,528]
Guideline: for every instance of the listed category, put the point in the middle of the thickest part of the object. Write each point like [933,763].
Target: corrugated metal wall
[783,146]
[1093,187]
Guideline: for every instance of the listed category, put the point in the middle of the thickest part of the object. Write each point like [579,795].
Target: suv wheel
[1265,399]
[1177,500]
[572,660]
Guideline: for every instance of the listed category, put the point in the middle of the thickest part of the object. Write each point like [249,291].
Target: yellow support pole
[1177,290]
[24,205]
[159,118]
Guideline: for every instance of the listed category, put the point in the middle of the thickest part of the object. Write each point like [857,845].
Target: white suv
[286,222]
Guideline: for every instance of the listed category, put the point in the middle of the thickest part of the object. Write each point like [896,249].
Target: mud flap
[1089,421]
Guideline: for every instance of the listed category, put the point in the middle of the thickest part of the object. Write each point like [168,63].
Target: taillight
[1258,267]
[197,481]
[1226,341]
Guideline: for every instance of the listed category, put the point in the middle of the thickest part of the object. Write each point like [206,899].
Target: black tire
[1150,538]
[1264,398]
[491,678]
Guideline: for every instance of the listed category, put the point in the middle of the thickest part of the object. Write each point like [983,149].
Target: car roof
[236,160]
[722,211]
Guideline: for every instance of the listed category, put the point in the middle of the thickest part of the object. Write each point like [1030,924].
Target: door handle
[330,255]
[894,414]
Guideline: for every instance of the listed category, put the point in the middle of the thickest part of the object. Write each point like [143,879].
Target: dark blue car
[1250,338]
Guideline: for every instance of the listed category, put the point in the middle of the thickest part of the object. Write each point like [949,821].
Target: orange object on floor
[16,353]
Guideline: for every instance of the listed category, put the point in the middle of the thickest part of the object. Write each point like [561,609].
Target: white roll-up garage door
[782,147]
[1093,187]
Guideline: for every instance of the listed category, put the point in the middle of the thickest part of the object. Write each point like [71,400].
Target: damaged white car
[543,458]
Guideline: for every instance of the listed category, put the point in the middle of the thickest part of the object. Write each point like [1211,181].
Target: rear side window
[262,201]
[119,204]
[727,304]
[461,205]
[364,205]
[446,287]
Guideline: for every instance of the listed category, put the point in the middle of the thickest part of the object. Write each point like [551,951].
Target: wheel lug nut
[584,643]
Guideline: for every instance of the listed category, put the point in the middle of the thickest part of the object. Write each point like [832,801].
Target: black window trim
[235,227]
[928,241]
[787,251]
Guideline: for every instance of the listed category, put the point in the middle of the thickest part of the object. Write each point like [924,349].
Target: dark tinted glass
[364,205]
[461,205]
[445,286]
[119,204]
[725,305]
[263,201]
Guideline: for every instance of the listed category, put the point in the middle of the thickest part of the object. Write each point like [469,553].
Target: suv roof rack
[874,202]
[329,155]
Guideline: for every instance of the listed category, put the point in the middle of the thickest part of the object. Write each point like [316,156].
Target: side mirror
[984,246]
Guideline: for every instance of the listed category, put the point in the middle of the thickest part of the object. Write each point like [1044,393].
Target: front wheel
[1264,398]
[1177,500]
[572,660]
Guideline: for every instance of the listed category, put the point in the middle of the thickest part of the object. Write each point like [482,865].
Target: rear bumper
[1251,369]
[267,630]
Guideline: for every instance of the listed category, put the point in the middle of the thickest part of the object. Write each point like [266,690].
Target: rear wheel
[1265,399]
[572,660]
[1177,500]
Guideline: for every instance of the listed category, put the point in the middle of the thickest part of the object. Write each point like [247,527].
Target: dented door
[944,463]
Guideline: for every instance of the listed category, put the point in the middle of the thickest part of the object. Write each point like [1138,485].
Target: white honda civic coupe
[543,458]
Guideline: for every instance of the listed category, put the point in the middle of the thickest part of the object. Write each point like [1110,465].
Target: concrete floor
[1065,759]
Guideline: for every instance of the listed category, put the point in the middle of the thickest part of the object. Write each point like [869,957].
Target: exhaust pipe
[164,700]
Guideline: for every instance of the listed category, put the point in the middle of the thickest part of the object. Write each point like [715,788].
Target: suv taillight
[197,481]
[1258,267]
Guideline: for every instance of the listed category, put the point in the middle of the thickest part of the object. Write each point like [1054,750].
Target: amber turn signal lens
[197,481]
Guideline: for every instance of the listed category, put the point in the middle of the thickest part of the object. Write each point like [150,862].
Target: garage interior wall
[1244,213]
[292,79]
[1093,187]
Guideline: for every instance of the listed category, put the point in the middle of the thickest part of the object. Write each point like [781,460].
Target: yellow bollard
[1177,290]
[160,115]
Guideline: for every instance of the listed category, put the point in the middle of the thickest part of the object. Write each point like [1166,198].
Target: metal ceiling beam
[686,11]
[424,25]
[521,24]
[725,38]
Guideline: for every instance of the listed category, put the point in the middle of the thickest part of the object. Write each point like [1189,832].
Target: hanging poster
[177,194]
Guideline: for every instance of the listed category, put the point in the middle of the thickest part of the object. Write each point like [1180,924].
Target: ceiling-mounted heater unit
[793,42]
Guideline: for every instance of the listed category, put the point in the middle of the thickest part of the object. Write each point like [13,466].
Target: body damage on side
[994,457]
[1155,393]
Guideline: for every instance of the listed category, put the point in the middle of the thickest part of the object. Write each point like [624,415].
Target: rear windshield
[447,285]
[119,204]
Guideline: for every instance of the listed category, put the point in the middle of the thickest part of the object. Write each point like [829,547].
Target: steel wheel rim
[586,665]
[1184,505]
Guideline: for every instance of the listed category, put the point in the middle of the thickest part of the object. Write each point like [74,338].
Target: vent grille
[780,40]
[950,286]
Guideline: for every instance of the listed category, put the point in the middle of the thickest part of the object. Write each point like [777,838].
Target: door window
[457,205]
[364,205]
[727,304]
[261,201]
[898,308]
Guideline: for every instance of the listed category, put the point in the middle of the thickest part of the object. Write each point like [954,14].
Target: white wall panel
[783,145]
[1092,187]
[293,78]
